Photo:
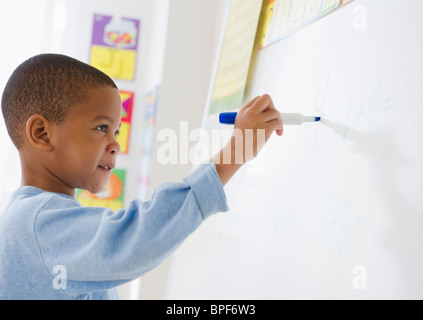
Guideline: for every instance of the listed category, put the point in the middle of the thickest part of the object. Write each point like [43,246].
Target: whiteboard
[331,210]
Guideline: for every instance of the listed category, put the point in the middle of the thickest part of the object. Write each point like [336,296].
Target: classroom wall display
[284,17]
[235,55]
[114,45]
[147,149]
[111,197]
[123,137]
[331,210]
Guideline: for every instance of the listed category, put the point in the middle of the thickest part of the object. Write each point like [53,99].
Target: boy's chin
[98,189]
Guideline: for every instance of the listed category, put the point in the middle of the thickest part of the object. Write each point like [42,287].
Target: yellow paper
[116,63]
[297,14]
[112,204]
[276,22]
[312,10]
[111,196]
[123,137]
[281,15]
[284,17]
[235,56]
[330,5]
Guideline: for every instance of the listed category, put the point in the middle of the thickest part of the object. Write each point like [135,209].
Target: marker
[287,118]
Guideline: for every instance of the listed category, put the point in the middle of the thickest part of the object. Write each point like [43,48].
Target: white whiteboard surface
[336,211]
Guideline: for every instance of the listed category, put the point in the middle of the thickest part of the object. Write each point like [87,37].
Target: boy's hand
[254,125]
[260,119]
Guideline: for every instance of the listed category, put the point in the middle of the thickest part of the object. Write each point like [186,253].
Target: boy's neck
[40,177]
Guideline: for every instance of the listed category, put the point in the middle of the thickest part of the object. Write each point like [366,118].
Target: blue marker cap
[227,117]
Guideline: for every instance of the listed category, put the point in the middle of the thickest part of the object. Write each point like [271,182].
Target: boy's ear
[38,132]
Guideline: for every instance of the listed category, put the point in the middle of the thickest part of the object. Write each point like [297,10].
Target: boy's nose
[114,148]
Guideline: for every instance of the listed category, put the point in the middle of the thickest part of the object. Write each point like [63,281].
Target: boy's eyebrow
[107,118]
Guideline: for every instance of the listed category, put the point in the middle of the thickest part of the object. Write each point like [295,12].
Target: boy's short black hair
[47,84]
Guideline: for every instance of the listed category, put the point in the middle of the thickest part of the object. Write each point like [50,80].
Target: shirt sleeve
[103,248]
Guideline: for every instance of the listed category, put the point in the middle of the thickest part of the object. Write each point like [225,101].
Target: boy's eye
[102,128]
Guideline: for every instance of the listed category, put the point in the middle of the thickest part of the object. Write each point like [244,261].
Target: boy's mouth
[108,168]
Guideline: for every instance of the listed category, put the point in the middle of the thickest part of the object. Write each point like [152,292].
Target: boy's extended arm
[257,115]
[226,170]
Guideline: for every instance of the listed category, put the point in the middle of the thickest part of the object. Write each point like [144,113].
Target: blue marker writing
[287,118]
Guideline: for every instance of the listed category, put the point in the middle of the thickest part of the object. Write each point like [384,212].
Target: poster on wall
[285,17]
[114,46]
[235,55]
[112,195]
[127,98]
[148,140]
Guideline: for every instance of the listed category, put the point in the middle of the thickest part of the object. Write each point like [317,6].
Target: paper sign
[111,197]
[235,55]
[150,113]
[284,17]
[114,45]
[125,129]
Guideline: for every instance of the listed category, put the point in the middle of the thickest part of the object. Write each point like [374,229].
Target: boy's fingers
[251,102]
[271,105]
[274,125]
[262,103]
[271,114]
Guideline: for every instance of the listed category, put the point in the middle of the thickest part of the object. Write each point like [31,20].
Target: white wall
[193,32]
[191,46]
[20,34]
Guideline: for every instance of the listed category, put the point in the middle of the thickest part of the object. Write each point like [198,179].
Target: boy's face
[84,145]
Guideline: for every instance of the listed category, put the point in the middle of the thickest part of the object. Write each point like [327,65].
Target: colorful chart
[114,46]
[284,17]
[235,55]
[125,129]
[150,114]
[111,197]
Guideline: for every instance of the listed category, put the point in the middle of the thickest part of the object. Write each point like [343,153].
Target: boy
[63,117]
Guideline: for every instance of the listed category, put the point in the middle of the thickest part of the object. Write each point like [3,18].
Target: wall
[192,39]
[15,48]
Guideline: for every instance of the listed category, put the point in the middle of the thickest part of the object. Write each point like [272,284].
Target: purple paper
[113,32]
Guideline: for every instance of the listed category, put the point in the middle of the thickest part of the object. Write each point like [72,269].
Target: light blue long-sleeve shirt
[51,247]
